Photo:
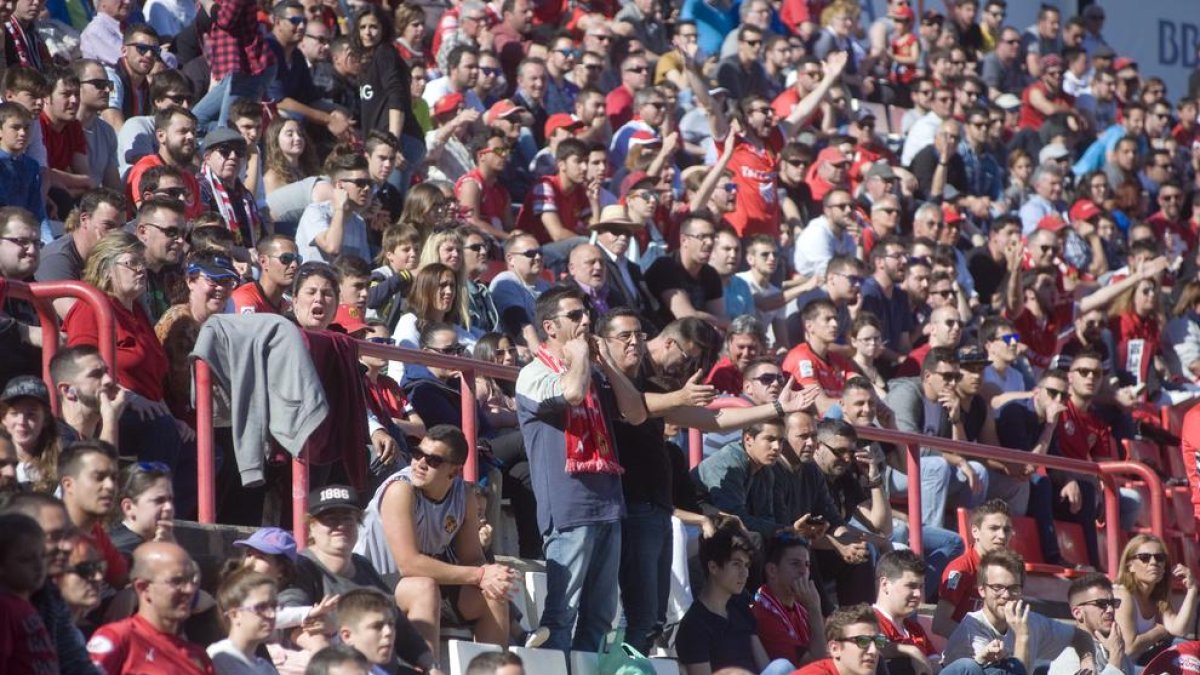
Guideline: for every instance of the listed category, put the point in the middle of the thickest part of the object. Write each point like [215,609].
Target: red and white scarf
[794,619]
[224,204]
[589,446]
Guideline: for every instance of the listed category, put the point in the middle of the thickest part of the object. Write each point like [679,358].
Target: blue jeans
[965,666]
[778,667]
[940,547]
[582,566]
[413,151]
[212,111]
[939,485]
[645,572]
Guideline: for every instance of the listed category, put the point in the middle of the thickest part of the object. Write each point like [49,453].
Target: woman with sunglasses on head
[82,581]
[210,281]
[147,507]
[1148,622]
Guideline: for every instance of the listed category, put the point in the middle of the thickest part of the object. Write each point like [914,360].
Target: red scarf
[793,618]
[589,446]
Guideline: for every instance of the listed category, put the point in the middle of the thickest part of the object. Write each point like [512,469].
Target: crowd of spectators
[938,223]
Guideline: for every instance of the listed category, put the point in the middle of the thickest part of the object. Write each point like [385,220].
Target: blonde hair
[429,255]
[1161,592]
[98,270]
[839,7]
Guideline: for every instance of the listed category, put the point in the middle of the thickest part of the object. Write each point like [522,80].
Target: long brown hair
[306,164]
[46,453]
[423,297]
[1161,592]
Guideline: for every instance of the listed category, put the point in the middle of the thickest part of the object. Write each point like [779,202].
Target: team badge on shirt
[806,368]
[450,523]
[952,580]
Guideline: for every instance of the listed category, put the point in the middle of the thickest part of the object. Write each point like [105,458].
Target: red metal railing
[1105,471]
[206,474]
[41,295]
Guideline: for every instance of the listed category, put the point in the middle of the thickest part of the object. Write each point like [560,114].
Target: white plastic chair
[462,651]
[665,666]
[542,661]
[585,663]
[535,589]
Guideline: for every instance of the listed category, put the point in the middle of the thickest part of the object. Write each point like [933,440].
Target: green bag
[618,658]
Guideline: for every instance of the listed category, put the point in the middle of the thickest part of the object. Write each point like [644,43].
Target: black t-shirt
[720,642]
[668,274]
[642,450]
[988,274]
[848,492]
[125,540]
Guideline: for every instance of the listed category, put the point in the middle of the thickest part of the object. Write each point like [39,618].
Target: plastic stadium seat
[665,666]
[1025,542]
[1172,415]
[585,663]
[535,589]
[542,661]
[1148,453]
[462,651]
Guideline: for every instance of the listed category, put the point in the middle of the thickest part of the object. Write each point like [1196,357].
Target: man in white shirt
[827,235]
[461,78]
[924,130]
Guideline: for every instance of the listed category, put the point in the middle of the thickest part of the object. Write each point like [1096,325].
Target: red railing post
[913,466]
[206,463]
[469,424]
[695,448]
[1112,523]
[300,500]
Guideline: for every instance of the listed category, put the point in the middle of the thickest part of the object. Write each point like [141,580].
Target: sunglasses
[637,69]
[574,315]
[297,20]
[452,350]
[531,253]
[98,83]
[1009,338]
[357,182]
[1088,372]
[90,569]
[143,49]
[769,379]
[1056,394]
[178,193]
[865,641]
[153,467]
[949,377]
[431,461]
[381,340]
[1146,558]
[477,248]
[287,259]
[228,151]
[491,72]
[1104,604]
[168,232]
[319,38]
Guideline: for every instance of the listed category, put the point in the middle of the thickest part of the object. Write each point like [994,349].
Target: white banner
[1161,35]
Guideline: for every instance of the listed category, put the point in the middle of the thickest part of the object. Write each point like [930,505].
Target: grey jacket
[914,414]
[731,487]
[262,364]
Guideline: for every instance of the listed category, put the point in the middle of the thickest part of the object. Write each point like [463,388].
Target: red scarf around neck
[589,446]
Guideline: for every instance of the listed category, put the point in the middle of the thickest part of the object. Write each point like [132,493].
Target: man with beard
[654,368]
[745,341]
[90,400]
[883,296]
[1094,609]
[684,283]
[99,211]
[1088,335]
[175,132]
[279,260]
[901,576]
[843,286]
[1169,221]
[131,75]
[52,517]
[222,190]
[945,330]
[163,230]
[337,227]
[827,236]
[20,329]
[464,73]
[88,480]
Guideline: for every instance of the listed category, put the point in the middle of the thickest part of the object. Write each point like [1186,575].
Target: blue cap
[272,541]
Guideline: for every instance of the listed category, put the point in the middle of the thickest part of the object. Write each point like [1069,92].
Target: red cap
[501,109]
[1051,223]
[447,104]
[830,154]
[632,179]
[1123,63]
[903,12]
[562,121]
[1085,209]
[644,138]
[350,319]
[951,214]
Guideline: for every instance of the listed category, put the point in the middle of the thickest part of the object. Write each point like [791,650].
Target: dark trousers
[1043,496]
[157,440]
[509,449]
[645,576]
[840,583]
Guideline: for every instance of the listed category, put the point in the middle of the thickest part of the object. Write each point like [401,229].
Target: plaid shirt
[235,42]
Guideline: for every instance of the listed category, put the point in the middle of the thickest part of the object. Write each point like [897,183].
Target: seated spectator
[26,415]
[138,137]
[336,227]
[354,273]
[165,579]
[222,190]
[434,298]
[558,208]
[481,310]
[787,607]
[382,151]
[27,645]
[162,231]
[339,659]
[366,621]
[101,39]
[246,599]
[1146,618]
[82,581]
[292,177]
[684,283]
[762,383]
[292,87]
[384,394]
[865,335]
[515,290]
[88,481]
[1181,338]
[496,663]
[449,158]
[901,576]
[843,281]
[130,75]
[314,295]
[813,361]
[944,330]
[392,281]
[745,341]
[826,236]
[1094,607]
[719,631]
[146,504]
[884,297]
[726,259]
[66,147]
[279,262]
[20,174]
[854,643]
[431,489]
[8,465]
[991,530]
[99,212]
[482,196]
[1005,634]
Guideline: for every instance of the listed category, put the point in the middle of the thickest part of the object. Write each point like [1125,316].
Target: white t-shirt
[1047,638]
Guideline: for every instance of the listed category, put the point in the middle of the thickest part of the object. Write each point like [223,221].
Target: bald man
[165,580]
[945,329]
[587,270]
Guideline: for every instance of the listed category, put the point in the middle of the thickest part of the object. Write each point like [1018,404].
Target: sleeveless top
[436,524]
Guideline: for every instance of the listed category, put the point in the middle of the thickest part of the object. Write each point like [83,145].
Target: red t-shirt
[141,360]
[134,179]
[1081,435]
[726,377]
[783,631]
[250,299]
[1128,328]
[618,106]
[909,632]
[494,201]
[25,645]
[1184,230]
[1041,336]
[386,398]
[756,173]
[959,584]
[1031,117]
[915,361]
[133,646]
[547,196]
[823,667]
[118,569]
[61,146]
[789,99]
[808,368]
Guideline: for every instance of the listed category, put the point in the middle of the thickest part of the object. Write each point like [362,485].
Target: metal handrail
[41,293]
[1105,471]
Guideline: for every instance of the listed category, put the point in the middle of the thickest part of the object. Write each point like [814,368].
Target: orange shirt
[808,368]
[756,173]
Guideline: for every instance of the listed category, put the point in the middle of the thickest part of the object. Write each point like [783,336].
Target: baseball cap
[932,16]
[448,103]
[1085,209]
[1123,63]
[562,121]
[881,170]
[644,138]
[830,154]
[1103,51]
[1053,152]
[502,109]
[1008,102]
[25,386]
[272,541]
[332,497]
[216,268]
[632,179]
[615,217]
[1051,61]
[223,136]
[951,214]
[903,12]
[1051,223]
[349,319]
[972,356]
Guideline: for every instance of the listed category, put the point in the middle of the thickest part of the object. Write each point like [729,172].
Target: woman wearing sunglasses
[81,582]
[1148,622]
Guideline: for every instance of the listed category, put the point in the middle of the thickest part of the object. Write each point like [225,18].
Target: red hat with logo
[644,138]
[350,319]
[502,109]
[562,121]
[951,214]
[1051,223]
[1085,209]
[447,104]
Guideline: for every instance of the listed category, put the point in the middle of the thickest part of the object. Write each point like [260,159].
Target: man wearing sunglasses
[479,191]
[336,227]
[1094,609]
[163,230]
[292,86]
[853,641]
[279,261]
[130,76]
[222,190]
[515,290]
[945,329]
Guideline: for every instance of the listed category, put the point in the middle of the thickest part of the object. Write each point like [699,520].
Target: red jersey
[756,174]
[915,361]
[1041,335]
[1137,341]
[823,667]
[1190,444]
[1081,435]
[250,298]
[789,99]
[117,573]
[907,632]
[959,584]
[906,45]
[494,201]
[134,179]
[61,146]
[134,647]
[808,368]
[141,360]
[386,398]
[784,631]
[726,377]
[25,645]
[618,106]
[548,196]
[1031,117]
[1184,230]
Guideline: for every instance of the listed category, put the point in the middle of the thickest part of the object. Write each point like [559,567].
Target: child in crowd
[247,601]
[245,115]
[905,48]
[20,175]
[366,621]
[352,293]
[147,505]
[392,279]
[385,396]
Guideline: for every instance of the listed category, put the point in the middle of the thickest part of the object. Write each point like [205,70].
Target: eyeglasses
[1088,372]
[431,461]
[952,323]
[226,281]
[381,340]
[1146,558]
[1056,394]
[178,193]
[288,259]
[491,72]
[947,376]
[701,237]
[629,336]
[261,609]
[143,48]
[843,206]
[297,20]
[135,267]
[1103,604]
[575,315]
[25,242]
[99,83]
[92,569]
[453,350]
[865,641]
[752,43]
[729,187]
[319,38]
[637,69]
[531,253]
[1001,589]
[168,232]
[361,183]
[768,379]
